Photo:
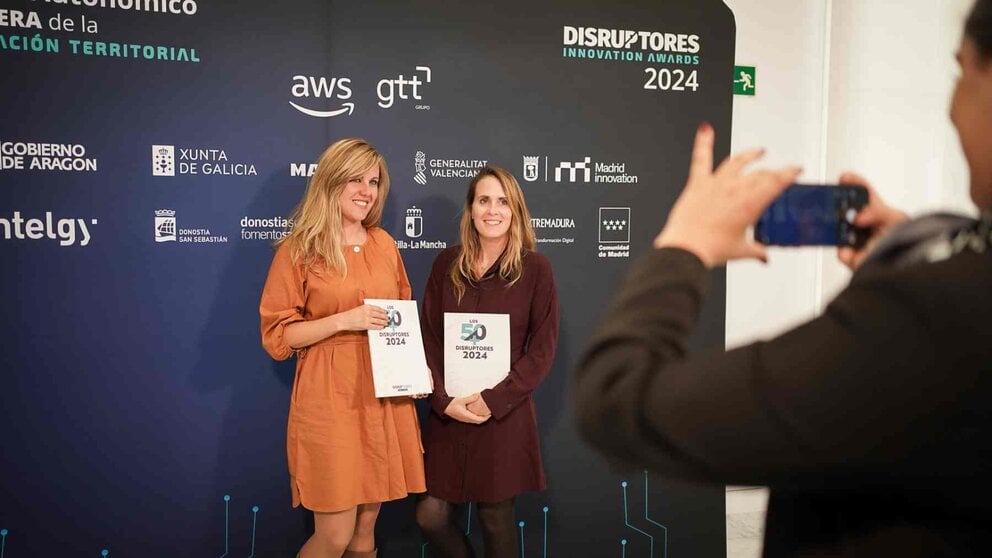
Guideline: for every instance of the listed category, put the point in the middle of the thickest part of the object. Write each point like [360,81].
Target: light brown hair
[317,234]
[521,234]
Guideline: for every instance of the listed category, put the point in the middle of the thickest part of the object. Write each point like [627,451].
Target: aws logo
[333,89]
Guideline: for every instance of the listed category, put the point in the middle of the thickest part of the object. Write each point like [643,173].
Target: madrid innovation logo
[583,171]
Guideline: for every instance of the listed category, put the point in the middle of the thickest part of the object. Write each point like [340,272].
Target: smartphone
[814,215]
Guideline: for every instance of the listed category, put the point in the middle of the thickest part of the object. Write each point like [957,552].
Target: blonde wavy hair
[521,234]
[317,236]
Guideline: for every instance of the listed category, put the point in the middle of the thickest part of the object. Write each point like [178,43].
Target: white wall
[859,85]
[892,71]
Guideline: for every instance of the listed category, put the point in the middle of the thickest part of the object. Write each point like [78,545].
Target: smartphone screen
[808,215]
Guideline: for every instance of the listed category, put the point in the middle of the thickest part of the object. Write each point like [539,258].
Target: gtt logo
[473,332]
[389,89]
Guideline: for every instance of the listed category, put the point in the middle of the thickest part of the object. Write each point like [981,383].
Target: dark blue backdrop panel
[147,158]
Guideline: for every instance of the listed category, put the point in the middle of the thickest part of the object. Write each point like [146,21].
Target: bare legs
[335,533]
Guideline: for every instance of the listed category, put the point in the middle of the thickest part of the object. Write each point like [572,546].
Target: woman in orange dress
[348,451]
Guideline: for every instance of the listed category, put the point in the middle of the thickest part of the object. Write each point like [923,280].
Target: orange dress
[345,446]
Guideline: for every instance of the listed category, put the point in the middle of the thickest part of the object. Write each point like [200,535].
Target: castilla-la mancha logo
[414,222]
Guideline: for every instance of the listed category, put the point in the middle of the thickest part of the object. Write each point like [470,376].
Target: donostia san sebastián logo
[194,161]
[66,230]
[41,156]
[167,230]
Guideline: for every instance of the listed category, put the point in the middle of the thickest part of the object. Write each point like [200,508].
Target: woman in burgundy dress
[484,447]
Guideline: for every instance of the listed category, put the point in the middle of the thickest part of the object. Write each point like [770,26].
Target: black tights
[499,532]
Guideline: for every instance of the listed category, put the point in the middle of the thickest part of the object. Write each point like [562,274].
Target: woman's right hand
[878,217]
[363,318]
[458,410]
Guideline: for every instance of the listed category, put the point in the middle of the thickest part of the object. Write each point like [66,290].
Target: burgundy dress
[500,458]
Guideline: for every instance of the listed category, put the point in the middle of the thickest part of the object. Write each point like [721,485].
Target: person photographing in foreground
[871,424]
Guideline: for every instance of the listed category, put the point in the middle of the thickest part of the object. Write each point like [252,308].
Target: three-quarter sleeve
[528,371]
[282,302]
[432,329]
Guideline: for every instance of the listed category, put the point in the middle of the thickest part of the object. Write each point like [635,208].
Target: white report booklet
[399,366]
[476,351]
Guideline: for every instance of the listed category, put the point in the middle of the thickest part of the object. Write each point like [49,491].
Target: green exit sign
[745,80]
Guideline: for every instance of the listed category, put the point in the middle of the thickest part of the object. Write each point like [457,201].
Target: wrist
[335,324]
[670,239]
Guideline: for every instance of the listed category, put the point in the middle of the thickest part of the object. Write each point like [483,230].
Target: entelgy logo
[63,230]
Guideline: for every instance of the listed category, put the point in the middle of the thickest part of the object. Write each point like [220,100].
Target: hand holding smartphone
[814,215]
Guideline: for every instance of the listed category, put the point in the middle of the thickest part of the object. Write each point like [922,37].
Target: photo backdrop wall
[151,151]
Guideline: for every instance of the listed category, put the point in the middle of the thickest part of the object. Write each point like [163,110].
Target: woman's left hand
[479,407]
[712,215]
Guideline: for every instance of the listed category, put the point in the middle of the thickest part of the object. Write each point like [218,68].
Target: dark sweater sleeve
[852,393]
[528,371]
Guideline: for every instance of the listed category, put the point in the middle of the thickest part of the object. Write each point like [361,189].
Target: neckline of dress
[358,247]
